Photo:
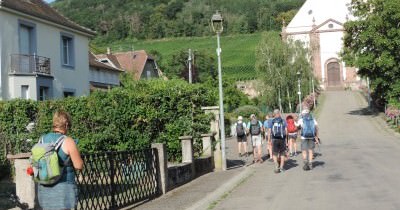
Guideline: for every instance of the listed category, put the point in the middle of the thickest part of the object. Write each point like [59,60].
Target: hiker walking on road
[241,136]
[309,137]
[292,134]
[267,121]
[277,132]
[254,128]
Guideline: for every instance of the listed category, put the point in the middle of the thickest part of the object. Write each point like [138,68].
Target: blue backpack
[277,130]
[308,127]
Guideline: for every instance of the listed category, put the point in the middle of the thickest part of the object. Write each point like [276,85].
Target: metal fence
[113,180]
[29,64]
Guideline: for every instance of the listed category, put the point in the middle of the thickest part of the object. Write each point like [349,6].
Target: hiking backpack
[308,127]
[277,128]
[255,128]
[239,129]
[291,127]
[45,161]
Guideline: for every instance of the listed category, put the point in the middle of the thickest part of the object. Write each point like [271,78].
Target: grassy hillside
[238,51]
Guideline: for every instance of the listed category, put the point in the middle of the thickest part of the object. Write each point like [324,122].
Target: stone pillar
[187,149]
[24,184]
[207,140]
[163,166]
[215,128]
[187,153]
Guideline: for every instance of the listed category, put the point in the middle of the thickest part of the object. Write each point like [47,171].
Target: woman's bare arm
[72,150]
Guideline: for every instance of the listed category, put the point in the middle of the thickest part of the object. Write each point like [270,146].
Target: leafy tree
[371,44]
[278,63]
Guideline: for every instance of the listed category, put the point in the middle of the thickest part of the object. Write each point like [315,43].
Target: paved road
[359,167]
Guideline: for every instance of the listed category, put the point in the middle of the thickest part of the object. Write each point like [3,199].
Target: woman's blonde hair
[61,120]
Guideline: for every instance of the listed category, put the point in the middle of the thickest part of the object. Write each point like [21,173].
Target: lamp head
[217,22]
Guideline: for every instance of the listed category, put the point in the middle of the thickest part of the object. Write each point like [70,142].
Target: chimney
[108,50]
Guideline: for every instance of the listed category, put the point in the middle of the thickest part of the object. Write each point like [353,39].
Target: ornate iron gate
[112,180]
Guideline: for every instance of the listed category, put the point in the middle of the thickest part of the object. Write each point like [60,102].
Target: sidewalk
[202,192]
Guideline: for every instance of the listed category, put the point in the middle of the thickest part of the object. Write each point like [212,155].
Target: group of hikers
[281,136]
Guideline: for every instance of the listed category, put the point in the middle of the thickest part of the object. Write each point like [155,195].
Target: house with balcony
[43,55]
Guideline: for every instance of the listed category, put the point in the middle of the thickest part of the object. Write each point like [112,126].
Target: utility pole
[190,66]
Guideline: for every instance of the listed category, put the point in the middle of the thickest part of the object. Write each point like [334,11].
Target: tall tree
[277,64]
[372,44]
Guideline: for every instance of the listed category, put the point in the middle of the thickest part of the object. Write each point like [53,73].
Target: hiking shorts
[256,140]
[241,138]
[292,136]
[307,144]
[278,146]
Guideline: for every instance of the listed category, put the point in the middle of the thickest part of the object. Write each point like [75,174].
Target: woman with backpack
[241,136]
[62,194]
[292,134]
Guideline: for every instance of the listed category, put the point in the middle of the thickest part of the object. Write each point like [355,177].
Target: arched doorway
[333,70]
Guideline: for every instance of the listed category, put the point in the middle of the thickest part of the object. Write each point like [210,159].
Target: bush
[125,118]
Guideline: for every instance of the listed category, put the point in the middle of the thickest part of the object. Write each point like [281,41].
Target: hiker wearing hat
[309,137]
[241,136]
[254,128]
[277,132]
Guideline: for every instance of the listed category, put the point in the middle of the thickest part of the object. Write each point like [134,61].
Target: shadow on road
[318,164]
[232,164]
[291,164]
[364,112]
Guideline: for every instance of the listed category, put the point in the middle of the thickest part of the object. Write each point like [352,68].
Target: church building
[319,24]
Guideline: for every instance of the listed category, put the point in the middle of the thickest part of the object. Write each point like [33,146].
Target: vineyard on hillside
[238,51]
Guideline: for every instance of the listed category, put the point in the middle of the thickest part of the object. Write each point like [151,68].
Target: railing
[113,180]
[29,64]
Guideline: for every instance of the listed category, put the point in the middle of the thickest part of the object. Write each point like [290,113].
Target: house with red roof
[138,63]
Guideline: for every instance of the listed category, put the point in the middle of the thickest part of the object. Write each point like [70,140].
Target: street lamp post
[217,26]
[299,92]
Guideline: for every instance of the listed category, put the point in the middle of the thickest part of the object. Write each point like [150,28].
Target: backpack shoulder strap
[59,141]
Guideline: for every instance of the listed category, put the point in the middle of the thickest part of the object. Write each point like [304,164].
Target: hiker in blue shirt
[277,133]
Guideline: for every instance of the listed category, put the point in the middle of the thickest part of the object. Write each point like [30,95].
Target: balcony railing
[29,64]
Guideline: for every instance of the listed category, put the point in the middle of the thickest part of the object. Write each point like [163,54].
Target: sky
[49,1]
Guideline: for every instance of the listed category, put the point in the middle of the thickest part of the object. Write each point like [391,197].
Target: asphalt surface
[358,167]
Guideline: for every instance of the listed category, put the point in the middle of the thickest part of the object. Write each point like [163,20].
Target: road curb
[218,193]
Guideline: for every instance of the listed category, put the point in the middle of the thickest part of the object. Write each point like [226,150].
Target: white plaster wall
[18,81]
[331,44]
[320,11]
[48,45]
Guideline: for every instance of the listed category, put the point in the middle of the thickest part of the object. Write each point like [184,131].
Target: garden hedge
[124,118]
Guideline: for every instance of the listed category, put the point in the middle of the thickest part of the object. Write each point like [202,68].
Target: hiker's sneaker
[282,169]
[277,170]
[290,154]
[306,166]
[310,165]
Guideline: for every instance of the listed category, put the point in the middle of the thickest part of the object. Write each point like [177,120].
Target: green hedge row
[125,118]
